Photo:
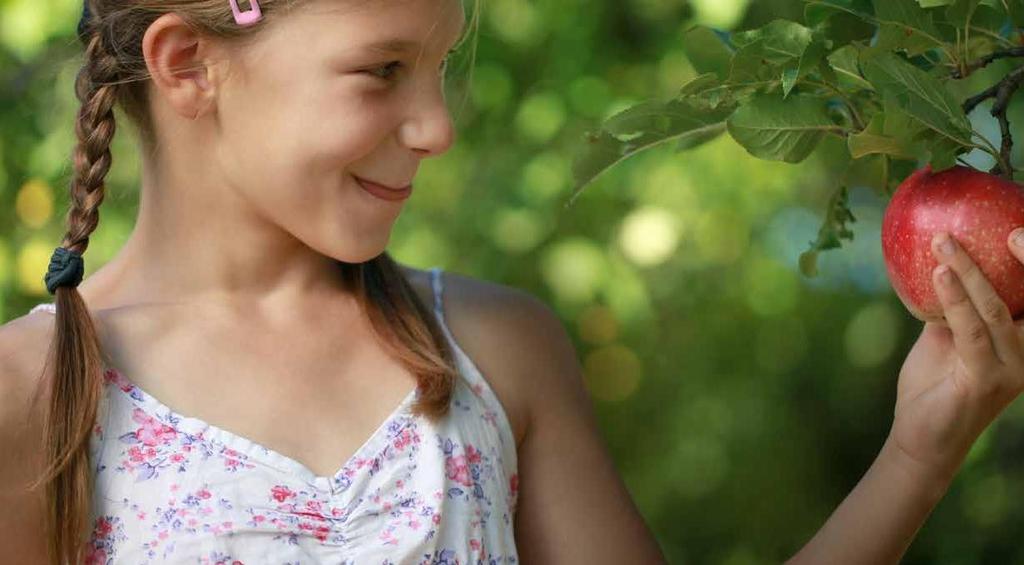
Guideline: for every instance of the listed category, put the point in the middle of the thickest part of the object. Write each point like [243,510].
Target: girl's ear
[180,64]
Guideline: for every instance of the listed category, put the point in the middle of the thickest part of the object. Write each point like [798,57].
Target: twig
[984,61]
[1002,91]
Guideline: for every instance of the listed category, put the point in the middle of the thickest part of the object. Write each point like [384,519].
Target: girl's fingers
[970,334]
[988,306]
[1016,241]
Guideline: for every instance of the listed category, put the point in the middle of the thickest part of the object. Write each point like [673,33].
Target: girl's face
[333,91]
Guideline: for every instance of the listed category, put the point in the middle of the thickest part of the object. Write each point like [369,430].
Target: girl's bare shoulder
[24,343]
[497,327]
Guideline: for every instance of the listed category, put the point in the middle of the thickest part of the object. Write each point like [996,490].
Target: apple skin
[979,210]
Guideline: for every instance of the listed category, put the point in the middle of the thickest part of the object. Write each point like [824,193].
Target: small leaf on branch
[817,12]
[844,63]
[960,11]
[771,127]
[906,25]
[917,93]
[873,140]
[833,230]
[707,52]
[643,126]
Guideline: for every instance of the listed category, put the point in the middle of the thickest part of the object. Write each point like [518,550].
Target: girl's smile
[385,192]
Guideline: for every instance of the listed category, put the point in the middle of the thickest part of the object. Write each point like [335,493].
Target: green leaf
[934,3]
[707,52]
[844,62]
[874,140]
[905,25]
[751,71]
[865,143]
[781,129]
[783,40]
[808,61]
[961,11]
[1016,11]
[917,93]
[641,127]
[833,230]
[656,120]
[817,12]
[707,91]
[781,51]
[845,28]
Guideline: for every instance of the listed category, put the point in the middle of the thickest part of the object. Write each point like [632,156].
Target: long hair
[114,74]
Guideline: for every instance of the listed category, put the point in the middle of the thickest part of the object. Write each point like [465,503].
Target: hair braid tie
[66,269]
[83,23]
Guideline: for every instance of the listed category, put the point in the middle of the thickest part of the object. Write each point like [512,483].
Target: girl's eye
[388,70]
[385,71]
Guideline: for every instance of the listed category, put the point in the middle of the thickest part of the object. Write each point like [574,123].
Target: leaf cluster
[879,74]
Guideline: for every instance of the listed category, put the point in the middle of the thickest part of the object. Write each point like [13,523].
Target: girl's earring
[250,16]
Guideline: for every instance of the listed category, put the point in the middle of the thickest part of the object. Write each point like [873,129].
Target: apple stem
[1002,91]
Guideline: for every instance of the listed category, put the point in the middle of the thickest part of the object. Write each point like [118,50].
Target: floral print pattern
[171,488]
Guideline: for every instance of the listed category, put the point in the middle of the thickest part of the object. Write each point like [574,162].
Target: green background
[741,401]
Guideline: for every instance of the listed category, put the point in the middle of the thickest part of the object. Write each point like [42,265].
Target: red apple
[978,209]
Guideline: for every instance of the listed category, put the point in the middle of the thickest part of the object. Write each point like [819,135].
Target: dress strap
[495,413]
[437,284]
[45,307]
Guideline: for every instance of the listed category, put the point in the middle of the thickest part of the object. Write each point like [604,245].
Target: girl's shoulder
[24,343]
[497,326]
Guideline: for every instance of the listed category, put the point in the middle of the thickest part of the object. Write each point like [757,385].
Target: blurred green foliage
[740,400]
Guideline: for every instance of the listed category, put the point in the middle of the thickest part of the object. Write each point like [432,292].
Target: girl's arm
[573,507]
[880,517]
[23,345]
[954,383]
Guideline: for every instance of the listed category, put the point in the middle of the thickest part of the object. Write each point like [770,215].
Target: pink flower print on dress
[151,431]
[233,460]
[107,531]
[457,470]
[513,492]
[281,493]
[219,558]
[408,436]
[300,514]
[111,376]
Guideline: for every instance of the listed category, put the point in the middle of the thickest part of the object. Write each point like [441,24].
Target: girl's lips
[383,192]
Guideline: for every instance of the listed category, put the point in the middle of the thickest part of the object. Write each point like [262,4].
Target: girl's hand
[954,383]
[957,379]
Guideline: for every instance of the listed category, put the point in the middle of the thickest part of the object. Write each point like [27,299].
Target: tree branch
[1002,91]
[984,61]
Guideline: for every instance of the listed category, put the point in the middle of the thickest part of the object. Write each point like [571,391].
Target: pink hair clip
[248,17]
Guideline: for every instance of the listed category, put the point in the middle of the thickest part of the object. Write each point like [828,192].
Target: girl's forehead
[384,8]
[414,19]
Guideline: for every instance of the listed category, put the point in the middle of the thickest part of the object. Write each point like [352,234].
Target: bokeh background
[740,400]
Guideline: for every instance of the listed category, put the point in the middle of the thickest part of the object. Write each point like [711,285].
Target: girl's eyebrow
[393,46]
[398,45]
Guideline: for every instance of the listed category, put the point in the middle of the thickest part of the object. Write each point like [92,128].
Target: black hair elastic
[66,269]
[83,23]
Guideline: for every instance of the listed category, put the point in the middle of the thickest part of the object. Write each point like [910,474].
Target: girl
[224,390]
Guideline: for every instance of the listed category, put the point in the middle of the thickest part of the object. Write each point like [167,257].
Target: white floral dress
[174,489]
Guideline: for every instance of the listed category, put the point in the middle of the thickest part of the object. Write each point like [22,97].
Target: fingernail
[945,275]
[1018,237]
[946,245]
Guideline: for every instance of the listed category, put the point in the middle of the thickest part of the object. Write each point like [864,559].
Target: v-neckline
[335,484]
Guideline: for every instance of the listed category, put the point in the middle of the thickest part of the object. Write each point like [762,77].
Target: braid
[96,87]
[75,353]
